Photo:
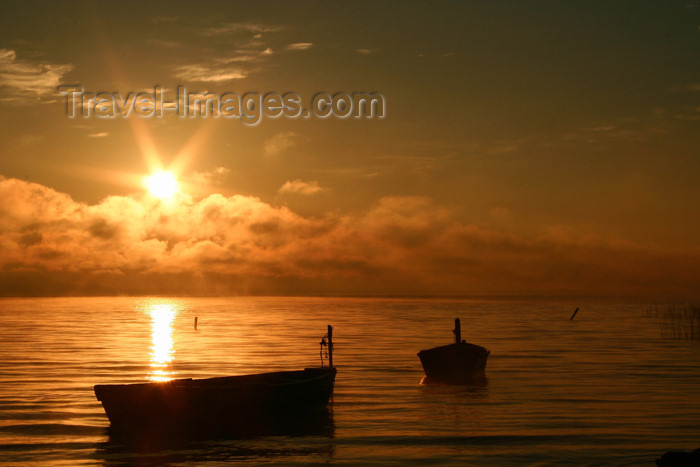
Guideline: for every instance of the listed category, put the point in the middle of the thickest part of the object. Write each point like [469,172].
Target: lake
[608,388]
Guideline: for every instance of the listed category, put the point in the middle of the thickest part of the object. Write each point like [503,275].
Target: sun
[162,185]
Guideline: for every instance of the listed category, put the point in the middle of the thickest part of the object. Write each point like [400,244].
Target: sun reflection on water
[162,348]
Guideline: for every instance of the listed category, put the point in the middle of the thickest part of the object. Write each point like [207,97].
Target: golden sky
[546,147]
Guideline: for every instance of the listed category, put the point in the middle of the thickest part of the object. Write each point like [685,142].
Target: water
[608,388]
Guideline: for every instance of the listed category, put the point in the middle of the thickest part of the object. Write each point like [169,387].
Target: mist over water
[608,388]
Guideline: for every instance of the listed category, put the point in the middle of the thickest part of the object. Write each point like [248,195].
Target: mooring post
[458,331]
[330,346]
[572,316]
[195,323]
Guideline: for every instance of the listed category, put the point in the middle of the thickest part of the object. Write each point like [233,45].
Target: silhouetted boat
[679,459]
[458,363]
[241,405]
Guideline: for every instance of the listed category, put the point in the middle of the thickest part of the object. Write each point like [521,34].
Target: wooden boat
[247,404]
[457,363]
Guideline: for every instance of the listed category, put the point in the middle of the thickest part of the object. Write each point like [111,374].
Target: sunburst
[162,185]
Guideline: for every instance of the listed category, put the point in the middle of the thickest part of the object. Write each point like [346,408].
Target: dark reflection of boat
[299,437]
[457,363]
[247,405]
[476,388]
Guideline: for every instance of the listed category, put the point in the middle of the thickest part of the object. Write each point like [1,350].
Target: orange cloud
[26,79]
[51,244]
[300,46]
[300,187]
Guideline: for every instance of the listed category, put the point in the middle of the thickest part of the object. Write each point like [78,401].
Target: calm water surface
[605,389]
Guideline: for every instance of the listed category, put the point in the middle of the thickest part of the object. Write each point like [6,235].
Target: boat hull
[249,404]
[459,363]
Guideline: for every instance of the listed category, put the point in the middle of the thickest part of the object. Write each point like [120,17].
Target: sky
[525,148]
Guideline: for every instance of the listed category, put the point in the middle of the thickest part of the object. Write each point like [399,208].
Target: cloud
[208,73]
[603,128]
[300,46]
[299,187]
[247,53]
[235,28]
[366,51]
[279,143]
[248,56]
[211,178]
[241,58]
[29,80]
[7,56]
[98,135]
[52,244]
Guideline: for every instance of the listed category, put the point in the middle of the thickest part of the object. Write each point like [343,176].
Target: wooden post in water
[458,331]
[330,346]
[572,316]
[195,323]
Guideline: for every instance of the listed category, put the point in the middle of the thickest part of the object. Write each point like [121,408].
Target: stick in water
[572,316]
